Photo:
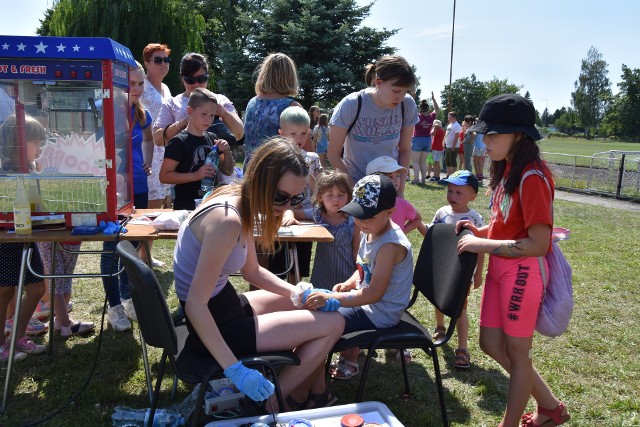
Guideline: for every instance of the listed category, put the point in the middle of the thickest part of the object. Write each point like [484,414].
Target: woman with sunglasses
[156,61]
[173,118]
[218,239]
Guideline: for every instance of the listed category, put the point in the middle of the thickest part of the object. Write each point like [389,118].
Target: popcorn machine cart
[64,128]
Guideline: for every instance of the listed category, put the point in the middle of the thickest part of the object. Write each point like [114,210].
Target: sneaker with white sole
[43,309]
[156,263]
[118,319]
[25,345]
[34,327]
[130,309]
[76,328]
[4,353]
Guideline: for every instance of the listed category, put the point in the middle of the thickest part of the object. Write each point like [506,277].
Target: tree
[623,116]
[133,23]
[568,122]
[497,87]
[466,95]
[545,117]
[324,38]
[593,90]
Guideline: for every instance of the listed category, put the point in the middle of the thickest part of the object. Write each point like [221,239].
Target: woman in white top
[156,61]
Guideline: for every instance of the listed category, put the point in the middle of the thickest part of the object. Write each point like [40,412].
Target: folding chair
[158,330]
[444,278]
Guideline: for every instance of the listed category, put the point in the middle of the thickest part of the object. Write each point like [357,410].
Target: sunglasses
[281,199]
[190,80]
[161,59]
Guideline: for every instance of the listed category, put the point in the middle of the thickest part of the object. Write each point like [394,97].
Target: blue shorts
[421,143]
[322,146]
[355,319]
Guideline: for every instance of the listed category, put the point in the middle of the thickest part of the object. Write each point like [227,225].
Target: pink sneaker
[25,345]
[4,353]
[42,311]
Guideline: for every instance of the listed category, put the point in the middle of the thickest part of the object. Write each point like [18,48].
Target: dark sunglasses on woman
[161,59]
[281,199]
[190,80]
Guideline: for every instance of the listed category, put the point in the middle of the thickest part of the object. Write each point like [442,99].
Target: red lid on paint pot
[352,420]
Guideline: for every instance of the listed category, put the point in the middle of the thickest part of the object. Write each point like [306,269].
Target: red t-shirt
[511,217]
[461,148]
[437,139]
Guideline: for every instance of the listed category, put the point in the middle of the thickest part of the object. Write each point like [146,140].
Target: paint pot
[300,422]
[352,420]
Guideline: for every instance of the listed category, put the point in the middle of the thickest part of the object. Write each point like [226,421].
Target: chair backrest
[154,318]
[441,275]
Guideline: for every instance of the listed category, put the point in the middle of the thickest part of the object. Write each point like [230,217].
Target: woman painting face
[289,186]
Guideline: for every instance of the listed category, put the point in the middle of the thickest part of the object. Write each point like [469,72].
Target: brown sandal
[462,358]
[439,333]
[321,400]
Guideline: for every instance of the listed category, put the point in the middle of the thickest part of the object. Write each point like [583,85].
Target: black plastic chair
[158,330]
[444,278]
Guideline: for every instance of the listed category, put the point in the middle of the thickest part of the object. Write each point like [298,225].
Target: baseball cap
[384,164]
[462,177]
[508,113]
[371,195]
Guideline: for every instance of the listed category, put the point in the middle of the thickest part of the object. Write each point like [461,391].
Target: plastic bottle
[213,159]
[21,209]
[35,199]
[123,416]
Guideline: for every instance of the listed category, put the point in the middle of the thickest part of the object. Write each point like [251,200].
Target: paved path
[597,200]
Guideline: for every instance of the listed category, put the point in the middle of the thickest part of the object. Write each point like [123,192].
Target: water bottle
[213,159]
[128,417]
[21,209]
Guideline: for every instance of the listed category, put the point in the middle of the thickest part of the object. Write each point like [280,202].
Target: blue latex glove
[330,305]
[110,228]
[249,381]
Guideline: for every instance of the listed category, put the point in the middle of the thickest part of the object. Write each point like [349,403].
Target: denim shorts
[421,143]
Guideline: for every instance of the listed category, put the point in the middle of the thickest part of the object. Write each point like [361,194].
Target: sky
[536,44]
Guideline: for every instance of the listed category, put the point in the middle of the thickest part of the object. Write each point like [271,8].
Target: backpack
[557,298]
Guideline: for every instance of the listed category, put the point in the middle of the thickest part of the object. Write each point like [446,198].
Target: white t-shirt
[451,135]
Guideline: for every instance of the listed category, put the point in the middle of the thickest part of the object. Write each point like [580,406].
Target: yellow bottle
[35,199]
[21,209]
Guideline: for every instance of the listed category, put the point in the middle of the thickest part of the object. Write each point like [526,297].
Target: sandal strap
[555,414]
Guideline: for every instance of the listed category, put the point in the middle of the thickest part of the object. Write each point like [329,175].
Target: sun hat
[508,113]
[462,177]
[384,164]
[437,123]
[371,195]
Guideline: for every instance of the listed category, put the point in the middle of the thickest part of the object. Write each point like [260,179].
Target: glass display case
[64,127]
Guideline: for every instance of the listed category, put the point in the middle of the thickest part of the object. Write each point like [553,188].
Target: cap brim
[495,127]
[357,211]
[458,181]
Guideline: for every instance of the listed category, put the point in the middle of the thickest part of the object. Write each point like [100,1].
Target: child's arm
[535,244]
[168,174]
[477,276]
[355,243]
[226,167]
[147,149]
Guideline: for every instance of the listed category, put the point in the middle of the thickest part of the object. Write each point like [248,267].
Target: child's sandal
[343,371]
[557,416]
[462,358]
[321,400]
[439,333]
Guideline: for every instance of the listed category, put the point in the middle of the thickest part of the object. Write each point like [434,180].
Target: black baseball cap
[371,195]
[508,113]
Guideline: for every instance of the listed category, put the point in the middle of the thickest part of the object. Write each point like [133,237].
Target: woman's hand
[288,218]
[469,243]
[146,168]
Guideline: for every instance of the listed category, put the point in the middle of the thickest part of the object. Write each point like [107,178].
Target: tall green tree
[467,95]
[325,38]
[592,90]
[623,116]
[133,23]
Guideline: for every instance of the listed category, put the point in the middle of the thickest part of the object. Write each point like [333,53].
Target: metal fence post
[620,176]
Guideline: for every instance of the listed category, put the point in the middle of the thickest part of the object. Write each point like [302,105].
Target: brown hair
[523,152]
[269,162]
[191,62]
[151,48]
[394,69]
[200,96]
[10,145]
[424,106]
[323,120]
[328,179]
[277,74]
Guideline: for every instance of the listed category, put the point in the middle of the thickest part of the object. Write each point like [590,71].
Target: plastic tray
[372,412]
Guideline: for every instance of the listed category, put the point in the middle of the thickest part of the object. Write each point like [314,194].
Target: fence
[615,173]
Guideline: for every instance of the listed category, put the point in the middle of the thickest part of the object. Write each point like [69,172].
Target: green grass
[582,147]
[593,367]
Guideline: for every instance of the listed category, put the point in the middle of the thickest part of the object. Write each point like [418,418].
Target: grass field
[593,367]
[582,147]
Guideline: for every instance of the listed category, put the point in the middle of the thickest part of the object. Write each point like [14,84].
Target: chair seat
[409,333]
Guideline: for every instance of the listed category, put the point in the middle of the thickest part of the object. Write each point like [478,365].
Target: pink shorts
[512,295]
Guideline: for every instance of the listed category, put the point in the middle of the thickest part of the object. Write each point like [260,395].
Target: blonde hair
[277,74]
[10,144]
[294,116]
[139,114]
[328,179]
[259,184]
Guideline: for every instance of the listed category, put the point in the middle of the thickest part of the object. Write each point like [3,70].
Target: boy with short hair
[451,143]
[185,155]
[406,216]
[378,292]
[462,188]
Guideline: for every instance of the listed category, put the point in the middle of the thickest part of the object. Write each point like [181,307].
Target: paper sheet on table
[296,230]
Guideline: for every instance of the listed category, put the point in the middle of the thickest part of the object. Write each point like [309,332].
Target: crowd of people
[347,172]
